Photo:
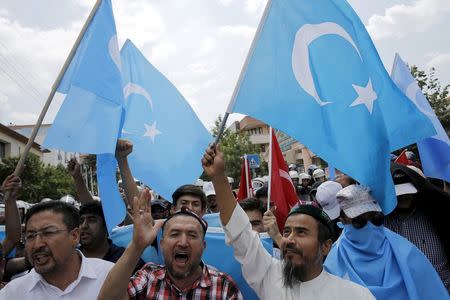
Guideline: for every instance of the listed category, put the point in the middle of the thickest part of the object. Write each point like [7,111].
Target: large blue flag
[434,151]
[168,138]
[315,74]
[114,208]
[89,119]
[384,262]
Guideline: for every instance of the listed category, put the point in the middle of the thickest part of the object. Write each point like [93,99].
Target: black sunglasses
[376,220]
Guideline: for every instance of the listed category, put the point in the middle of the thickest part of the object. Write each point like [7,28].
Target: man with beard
[306,241]
[60,270]
[184,275]
[94,240]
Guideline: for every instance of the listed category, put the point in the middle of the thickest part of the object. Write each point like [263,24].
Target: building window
[2,150]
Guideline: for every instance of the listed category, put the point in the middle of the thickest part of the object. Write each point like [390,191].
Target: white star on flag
[151,131]
[366,96]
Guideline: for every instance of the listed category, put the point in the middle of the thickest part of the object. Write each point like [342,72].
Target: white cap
[318,173]
[417,170]
[402,182]
[304,176]
[208,188]
[356,200]
[68,199]
[199,182]
[405,188]
[293,174]
[326,196]
[257,183]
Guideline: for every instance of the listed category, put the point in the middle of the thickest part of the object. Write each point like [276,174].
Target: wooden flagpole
[20,165]
[269,188]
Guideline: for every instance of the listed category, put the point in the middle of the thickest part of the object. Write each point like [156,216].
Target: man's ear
[326,247]
[75,233]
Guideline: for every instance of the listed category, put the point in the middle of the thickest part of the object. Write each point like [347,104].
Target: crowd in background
[336,242]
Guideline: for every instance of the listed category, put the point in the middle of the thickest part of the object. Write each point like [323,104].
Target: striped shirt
[419,230]
[151,282]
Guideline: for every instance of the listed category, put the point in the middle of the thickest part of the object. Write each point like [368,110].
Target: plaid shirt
[151,282]
[419,231]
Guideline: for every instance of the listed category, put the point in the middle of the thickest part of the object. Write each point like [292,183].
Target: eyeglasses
[376,220]
[45,234]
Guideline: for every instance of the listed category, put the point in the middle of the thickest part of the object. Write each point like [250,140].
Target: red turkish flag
[245,185]
[282,190]
[403,159]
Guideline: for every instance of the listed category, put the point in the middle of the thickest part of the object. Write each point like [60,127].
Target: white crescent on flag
[286,176]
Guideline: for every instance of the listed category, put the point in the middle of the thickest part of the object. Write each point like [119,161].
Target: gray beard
[293,274]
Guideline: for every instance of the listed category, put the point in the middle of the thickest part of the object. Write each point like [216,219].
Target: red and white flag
[282,190]
[245,185]
[403,159]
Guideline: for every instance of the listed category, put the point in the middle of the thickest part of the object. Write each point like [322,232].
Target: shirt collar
[86,270]
[204,282]
[317,282]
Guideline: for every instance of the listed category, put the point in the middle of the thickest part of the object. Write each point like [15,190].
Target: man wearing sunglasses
[369,254]
[59,269]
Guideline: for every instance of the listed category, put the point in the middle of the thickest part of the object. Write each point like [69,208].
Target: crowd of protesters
[336,243]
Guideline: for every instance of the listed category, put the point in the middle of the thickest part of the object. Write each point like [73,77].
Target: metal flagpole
[20,165]
[246,175]
[269,188]
[92,180]
[243,70]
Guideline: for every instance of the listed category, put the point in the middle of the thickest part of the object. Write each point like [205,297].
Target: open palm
[145,228]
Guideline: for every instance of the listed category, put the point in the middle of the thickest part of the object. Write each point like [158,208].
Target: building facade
[293,151]
[13,143]
[52,157]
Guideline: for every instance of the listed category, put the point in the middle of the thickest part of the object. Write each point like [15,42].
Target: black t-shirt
[115,252]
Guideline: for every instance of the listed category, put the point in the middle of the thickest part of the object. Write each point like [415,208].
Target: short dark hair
[71,217]
[93,207]
[191,190]
[324,232]
[251,204]
[262,192]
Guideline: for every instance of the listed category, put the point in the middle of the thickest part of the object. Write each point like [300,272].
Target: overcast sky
[200,45]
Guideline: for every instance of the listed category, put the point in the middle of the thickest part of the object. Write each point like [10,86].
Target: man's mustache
[293,249]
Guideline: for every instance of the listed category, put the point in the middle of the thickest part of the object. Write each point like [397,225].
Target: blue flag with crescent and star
[168,138]
[89,118]
[315,74]
[434,151]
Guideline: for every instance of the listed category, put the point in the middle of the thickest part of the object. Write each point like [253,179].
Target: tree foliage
[436,93]
[234,145]
[39,181]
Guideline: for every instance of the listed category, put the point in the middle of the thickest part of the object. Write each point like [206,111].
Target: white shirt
[93,272]
[264,273]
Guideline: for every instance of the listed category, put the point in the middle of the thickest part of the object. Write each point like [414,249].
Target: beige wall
[14,147]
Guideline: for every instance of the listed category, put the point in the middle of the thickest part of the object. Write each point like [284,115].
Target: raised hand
[73,167]
[213,162]
[12,184]
[123,148]
[145,228]
[271,226]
